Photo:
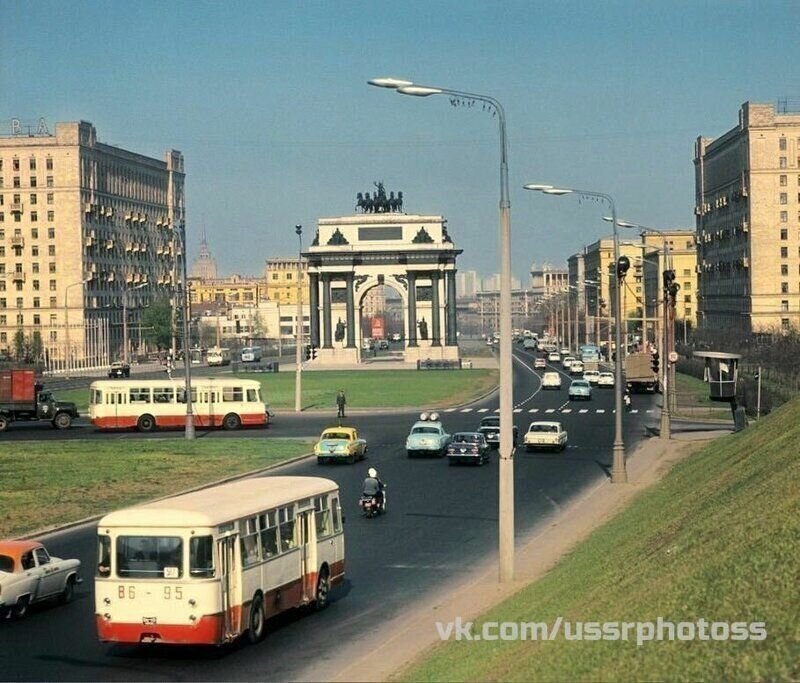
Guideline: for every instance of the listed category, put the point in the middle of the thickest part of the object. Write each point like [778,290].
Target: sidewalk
[478,363]
[405,638]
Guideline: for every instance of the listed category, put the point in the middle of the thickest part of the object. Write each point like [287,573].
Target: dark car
[119,369]
[490,428]
[468,447]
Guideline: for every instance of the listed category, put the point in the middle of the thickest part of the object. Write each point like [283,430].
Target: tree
[36,346]
[19,345]
[157,322]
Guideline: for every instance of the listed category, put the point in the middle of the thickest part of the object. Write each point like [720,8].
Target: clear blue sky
[269,103]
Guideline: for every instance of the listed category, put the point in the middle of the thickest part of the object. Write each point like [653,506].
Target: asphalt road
[442,522]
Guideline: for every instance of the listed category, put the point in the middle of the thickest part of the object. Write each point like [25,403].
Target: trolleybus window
[103,555]
[137,395]
[163,395]
[250,543]
[252,396]
[232,394]
[286,518]
[201,557]
[337,515]
[322,516]
[269,535]
[150,557]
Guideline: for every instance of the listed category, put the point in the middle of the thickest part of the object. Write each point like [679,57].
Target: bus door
[116,399]
[229,587]
[308,553]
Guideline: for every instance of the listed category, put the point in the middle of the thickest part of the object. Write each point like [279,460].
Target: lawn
[717,539]
[45,483]
[364,389]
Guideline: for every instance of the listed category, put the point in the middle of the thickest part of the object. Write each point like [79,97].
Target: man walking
[341,401]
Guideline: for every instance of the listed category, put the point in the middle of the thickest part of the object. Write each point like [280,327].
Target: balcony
[16,207]
[18,277]
[17,241]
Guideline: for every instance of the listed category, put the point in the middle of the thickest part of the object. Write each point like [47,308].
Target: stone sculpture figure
[423,329]
[339,334]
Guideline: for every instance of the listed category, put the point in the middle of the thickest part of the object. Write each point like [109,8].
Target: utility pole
[298,324]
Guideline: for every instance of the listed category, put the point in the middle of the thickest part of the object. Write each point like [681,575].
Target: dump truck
[639,374]
[23,398]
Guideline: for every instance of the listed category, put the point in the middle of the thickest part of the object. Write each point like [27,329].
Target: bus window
[201,557]
[103,555]
[287,528]
[337,515]
[230,394]
[322,516]
[163,395]
[150,557]
[252,396]
[96,397]
[182,396]
[250,544]
[136,395]
[269,535]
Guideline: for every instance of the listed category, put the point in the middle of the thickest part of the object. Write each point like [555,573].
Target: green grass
[718,538]
[691,390]
[45,483]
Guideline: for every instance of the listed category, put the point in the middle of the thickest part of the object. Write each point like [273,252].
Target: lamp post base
[619,474]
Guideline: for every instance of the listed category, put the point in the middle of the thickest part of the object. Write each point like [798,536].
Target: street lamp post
[619,474]
[187,362]
[506,467]
[298,325]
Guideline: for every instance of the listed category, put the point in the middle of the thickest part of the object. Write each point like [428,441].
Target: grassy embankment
[692,397]
[45,483]
[718,538]
[366,389]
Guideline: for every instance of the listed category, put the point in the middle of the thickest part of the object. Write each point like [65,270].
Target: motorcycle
[370,505]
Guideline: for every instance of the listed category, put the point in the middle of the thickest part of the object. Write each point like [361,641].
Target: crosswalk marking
[483,410]
[533,410]
[497,410]
[550,410]
[648,411]
[517,410]
[466,410]
[634,410]
[567,410]
[599,410]
[583,410]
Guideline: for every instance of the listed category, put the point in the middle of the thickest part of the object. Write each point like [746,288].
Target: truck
[639,374]
[23,398]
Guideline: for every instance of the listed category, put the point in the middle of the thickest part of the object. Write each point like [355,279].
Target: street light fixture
[506,475]
[619,474]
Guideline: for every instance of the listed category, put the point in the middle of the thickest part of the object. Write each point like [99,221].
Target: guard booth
[721,373]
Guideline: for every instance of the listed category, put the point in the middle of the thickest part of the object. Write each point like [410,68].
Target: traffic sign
[673,356]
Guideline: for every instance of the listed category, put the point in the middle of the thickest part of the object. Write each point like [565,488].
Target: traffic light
[311,352]
[623,265]
[654,361]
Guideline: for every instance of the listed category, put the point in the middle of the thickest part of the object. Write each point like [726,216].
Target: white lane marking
[583,410]
[483,410]
[567,410]
[517,410]
[497,410]
[648,411]
[634,410]
[563,405]
[466,410]
[550,410]
[599,410]
[534,373]
[533,410]
[450,410]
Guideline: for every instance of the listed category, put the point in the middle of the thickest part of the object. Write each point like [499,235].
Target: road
[441,523]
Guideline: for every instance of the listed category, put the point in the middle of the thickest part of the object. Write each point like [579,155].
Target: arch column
[326,311]
[313,306]
[436,337]
[412,309]
[451,338]
[351,312]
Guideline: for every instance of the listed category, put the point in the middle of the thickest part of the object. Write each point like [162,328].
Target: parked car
[553,357]
[490,428]
[396,337]
[119,369]
[551,380]
[539,364]
[340,443]
[606,379]
[576,368]
[592,376]
[468,448]
[580,389]
[545,435]
[29,575]
[427,437]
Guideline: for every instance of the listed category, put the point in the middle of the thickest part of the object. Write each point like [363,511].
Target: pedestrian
[169,367]
[341,401]
[627,399]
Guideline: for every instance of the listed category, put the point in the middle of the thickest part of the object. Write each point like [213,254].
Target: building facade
[747,208]
[548,279]
[281,280]
[468,284]
[204,267]
[89,233]
[234,290]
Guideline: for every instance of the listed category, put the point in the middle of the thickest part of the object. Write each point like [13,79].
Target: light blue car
[580,389]
[427,437]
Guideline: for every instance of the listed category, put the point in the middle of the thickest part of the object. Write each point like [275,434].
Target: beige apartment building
[281,281]
[87,230]
[747,208]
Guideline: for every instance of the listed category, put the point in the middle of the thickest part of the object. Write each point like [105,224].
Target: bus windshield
[150,557]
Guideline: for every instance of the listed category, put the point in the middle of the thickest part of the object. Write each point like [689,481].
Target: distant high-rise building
[492,283]
[467,284]
[204,267]
[747,208]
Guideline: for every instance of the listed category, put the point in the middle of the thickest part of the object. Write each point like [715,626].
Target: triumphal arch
[412,254]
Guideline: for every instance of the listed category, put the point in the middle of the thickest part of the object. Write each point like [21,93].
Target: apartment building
[234,290]
[87,231]
[747,208]
[281,281]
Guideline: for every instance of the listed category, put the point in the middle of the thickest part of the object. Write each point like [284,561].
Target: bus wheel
[231,421]
[323,590]
[256,628]
[146,423]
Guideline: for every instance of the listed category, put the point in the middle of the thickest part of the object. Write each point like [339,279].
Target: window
[51,250]
[48,164]
[53,303]
[33,181]
[35,233]
[51,233]
[784,305]
[51,216]
[150,557]
[783,181]
[37,319]
[782,162]
[137,395]
[784,198]
[230,394]
[784,287]
[49,197]
[37,302]
[785,327]
[49,181]
[274,276]
[27,560]
[19,302]
[249,541]
[322,517]
[52,285]
[20,319]
[252,396]
[35,267]
[16,181]
[32,164]
[337,515]
[201,557]
[163,395]
[15,164]
[3,302]
[687,286]
[103,555]
[34,216]
[34,250]
[784,252]
[51,267]
[34,199]
[287,521]
[268,527]
[784,269]
[53,335]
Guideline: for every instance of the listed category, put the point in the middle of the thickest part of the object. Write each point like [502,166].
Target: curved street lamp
[506,485]
[619,474]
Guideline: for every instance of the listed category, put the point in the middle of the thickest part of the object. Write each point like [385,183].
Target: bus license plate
[149,621]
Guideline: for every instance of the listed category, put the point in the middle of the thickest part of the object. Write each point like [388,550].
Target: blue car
[580,389]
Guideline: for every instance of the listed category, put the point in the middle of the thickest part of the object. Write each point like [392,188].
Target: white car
[576,368]
[427,437]
[592,375]
[545,435]
[28,574]
[553,357]
[551,380]
[606,379]
[539,364]
[568,361]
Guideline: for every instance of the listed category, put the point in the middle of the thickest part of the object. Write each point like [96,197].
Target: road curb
[59,528]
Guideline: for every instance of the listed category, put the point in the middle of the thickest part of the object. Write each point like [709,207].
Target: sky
[270,105]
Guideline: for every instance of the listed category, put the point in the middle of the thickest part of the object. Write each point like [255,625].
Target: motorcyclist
[373,486]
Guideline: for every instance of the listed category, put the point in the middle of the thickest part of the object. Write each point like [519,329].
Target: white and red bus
[209,566]
[149,404]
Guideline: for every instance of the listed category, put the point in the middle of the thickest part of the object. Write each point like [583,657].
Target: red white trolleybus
[148,404]
[209,566]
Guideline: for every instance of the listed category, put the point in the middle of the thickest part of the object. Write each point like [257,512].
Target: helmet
[372,472]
